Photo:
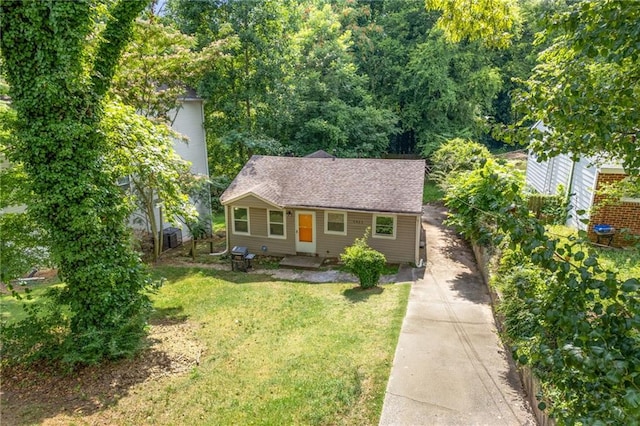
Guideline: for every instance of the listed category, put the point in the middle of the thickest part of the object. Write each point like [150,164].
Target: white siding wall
[545,176]
[536,173]
[188,120]
[584,183]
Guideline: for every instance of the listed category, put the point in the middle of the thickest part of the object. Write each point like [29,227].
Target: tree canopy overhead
[587,83]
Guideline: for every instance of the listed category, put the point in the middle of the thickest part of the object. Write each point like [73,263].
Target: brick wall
[618,214]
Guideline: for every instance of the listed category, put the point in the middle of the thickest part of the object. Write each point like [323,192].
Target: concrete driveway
[450,367]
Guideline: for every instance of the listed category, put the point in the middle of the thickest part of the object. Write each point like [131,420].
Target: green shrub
[522,286]
[363,261]
[480,198]
[550,209]
[457,155]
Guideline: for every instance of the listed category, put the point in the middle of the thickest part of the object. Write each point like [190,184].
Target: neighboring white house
[581,179]
[578,178]
[188,120]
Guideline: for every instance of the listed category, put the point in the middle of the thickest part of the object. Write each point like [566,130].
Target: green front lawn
[269,352]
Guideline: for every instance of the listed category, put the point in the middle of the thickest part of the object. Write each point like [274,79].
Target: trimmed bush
[364,262]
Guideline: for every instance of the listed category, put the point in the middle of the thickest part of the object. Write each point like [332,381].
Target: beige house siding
[403,247]
[258,230]
[400,249]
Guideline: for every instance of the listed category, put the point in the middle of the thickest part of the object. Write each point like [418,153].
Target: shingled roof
[392,186]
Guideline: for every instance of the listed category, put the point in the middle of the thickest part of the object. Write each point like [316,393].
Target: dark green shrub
[479,199]
[457,155]
[363,261]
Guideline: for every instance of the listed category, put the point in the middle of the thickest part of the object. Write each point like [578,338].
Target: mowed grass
[431,192]
[276,352]
[12,309]
[270,353]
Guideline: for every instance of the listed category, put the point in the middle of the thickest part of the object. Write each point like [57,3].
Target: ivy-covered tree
[59,60]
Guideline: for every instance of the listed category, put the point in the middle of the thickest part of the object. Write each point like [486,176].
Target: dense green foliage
[457,155]
[357,78]
[481,197]
[364,262]
[550,209]
[572,320]
[59,59]
[586,84]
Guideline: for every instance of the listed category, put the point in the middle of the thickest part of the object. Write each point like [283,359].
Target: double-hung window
[335,223]
[384,226]
[276,223]
[240,220]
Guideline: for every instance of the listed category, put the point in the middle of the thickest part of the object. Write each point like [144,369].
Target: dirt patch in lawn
[42,394]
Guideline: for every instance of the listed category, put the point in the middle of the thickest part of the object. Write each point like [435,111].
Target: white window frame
[233,220]
[373,226]
[284,224]
[326,222]
[124,182]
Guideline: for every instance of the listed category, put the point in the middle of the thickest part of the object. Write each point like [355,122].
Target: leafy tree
[159,179]
[439,90]
[331,108]
[244,88]
[159,66]
[154,75]
[446,90]
[586,84]
[489,21]
[59,59]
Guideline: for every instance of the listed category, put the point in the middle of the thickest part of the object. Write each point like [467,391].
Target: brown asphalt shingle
[393,186]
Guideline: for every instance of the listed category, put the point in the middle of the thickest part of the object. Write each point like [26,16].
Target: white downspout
[418,259]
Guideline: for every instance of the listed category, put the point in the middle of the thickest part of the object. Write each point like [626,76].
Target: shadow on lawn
[176,273]
[168,316]
[358,294]
[36,393]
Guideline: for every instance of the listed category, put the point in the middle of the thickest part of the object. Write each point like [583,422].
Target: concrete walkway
[450,367]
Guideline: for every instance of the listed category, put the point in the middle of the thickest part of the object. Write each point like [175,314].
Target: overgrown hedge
[574,323]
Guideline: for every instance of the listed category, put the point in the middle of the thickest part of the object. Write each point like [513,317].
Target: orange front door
[305,228]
